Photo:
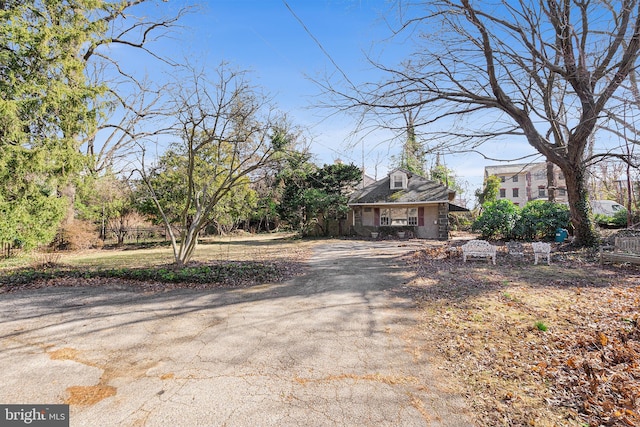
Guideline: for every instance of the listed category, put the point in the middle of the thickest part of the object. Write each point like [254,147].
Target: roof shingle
[419,189]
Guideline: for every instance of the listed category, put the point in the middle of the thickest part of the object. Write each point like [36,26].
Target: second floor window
[515,178]
[398,181]
[503,193]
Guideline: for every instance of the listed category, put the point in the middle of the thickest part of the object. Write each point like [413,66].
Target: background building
[522,183]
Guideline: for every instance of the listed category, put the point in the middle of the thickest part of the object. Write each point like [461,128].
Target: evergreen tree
[489,193]
[314,197]
[44,110]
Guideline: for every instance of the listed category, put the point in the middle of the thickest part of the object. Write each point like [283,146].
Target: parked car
[606,207]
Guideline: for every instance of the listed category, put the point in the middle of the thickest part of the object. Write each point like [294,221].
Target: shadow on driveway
[321,349]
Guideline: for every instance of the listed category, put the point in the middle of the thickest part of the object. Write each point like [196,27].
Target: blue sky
[264,36]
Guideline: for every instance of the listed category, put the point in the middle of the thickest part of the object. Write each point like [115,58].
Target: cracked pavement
[323,349]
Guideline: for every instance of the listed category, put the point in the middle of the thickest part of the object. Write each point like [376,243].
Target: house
[522,183]
[403,201]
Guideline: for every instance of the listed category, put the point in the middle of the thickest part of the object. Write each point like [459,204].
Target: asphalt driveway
[324,349]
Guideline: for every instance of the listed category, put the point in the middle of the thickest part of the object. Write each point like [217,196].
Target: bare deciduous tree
[224,131]
[130,108]
[545,70]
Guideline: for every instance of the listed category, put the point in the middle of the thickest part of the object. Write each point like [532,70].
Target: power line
[324,51]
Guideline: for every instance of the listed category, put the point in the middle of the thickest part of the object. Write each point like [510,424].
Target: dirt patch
[534,345]
[83,395]
[88,395]
[72,354]
[64,354]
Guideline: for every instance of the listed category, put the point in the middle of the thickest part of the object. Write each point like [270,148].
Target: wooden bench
[625,249]
[541,249]
[478,248]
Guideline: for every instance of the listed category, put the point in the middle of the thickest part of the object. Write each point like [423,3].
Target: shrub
[77,235]
[617,220]
[539,219]
[498,219]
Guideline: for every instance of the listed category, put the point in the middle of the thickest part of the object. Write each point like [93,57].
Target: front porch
[427,221]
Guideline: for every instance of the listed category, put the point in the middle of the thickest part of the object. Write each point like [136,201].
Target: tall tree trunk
[69,191]
[580,209]
[187,245]
[551,182]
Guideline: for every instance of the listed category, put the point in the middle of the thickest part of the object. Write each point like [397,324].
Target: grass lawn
[262,247]
[237,261]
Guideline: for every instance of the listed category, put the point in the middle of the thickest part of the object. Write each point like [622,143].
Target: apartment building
[522,183]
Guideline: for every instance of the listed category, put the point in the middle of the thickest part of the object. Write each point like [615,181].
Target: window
[561,176]
[515,178]
[398,180]
[562,191]
[384,217]
[412,216]
[515,192]
[503,193]
[540,175]
[503,178]
[542,192]
[398,217]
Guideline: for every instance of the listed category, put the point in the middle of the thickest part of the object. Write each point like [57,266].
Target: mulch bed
[198,276]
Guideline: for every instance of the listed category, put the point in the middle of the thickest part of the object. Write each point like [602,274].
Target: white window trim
[393,179]
[387,218]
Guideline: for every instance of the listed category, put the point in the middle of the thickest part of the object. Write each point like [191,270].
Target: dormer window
[398,181]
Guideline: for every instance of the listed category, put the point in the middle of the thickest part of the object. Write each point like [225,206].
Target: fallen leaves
[584,370]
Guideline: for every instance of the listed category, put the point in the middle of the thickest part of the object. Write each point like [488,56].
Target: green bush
[498,219]
[539,219]
[617,220]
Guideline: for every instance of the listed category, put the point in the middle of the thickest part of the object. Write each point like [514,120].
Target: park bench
[478,248]
[541,249]
[625,249]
